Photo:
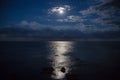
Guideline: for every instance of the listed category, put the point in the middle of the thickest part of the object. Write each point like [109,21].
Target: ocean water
[60,60]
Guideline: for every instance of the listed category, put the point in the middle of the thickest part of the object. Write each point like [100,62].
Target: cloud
[71,18]
[95,8]
[59,9]
[102,2]
[36,27]
[110,3]
[31,25]
[93,28]
[35,31]
[24,23]
[106,12]
[89,11]
[84,28]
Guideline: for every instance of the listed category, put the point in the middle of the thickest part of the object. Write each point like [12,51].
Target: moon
[61,10]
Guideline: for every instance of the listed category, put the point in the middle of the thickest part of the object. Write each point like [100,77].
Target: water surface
[60,60]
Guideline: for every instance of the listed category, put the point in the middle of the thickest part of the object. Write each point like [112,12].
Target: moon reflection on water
[61,62]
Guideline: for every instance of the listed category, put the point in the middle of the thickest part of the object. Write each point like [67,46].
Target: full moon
[61,10]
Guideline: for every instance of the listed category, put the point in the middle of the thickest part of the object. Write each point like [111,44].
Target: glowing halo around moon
[60,10]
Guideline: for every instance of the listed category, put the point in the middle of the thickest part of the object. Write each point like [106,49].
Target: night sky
[59,19]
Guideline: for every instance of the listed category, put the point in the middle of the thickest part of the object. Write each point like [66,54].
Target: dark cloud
[109,4]
[108,12]
[34,30]
[112,14]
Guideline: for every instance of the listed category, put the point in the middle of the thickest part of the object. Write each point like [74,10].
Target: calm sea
[60,60]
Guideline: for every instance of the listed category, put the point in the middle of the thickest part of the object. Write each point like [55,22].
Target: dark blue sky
[18,10]
[60,18]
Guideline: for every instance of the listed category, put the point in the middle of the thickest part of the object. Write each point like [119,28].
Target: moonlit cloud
[31,25]
[105,13]
[24,23]
[36,31]
[90,10]
[84,28]
[104,1]
[60,9]
[71,18]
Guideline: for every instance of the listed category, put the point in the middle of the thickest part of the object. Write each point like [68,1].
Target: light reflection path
[60,61]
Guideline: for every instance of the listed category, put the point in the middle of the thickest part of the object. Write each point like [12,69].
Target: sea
[60,60]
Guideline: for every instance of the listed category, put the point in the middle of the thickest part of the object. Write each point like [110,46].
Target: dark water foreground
[60,60]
